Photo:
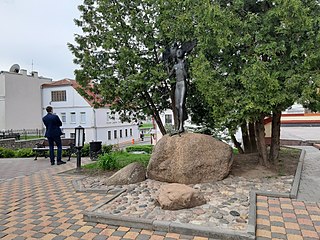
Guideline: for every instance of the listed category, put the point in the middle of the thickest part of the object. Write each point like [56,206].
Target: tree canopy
[254,58]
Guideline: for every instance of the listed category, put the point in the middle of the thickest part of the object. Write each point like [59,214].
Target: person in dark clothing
[53,134]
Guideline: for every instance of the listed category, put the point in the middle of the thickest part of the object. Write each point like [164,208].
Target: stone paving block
[143,237]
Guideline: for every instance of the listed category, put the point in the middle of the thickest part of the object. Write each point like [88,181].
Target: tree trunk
[237,144]
[159,122]
[245,138]
[155,113]
[275,137]
[252,136]
[261,142]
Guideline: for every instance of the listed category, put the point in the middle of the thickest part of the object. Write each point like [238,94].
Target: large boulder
[189,159]
[132,173]
[176,196]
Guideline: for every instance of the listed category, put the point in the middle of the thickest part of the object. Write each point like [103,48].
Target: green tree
[255,59]
[120,48]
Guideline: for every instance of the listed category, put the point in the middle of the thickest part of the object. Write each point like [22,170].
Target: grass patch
[140,148]
[117,160]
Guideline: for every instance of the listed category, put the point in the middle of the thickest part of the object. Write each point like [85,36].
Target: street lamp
[79,143]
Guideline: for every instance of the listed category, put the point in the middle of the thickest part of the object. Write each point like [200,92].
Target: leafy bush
[6,153]
[140,148]
[107,148]
[107,162]
[24,152]
[117,160]
[85,151]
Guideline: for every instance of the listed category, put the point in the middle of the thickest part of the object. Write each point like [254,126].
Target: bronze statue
[176,55]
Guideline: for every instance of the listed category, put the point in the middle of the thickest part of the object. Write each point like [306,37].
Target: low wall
[11,143]
[291,142]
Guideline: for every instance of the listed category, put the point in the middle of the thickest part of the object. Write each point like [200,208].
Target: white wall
[2,102]
[22,99]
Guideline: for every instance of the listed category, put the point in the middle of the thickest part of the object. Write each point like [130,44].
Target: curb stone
[191,229]
[251,229]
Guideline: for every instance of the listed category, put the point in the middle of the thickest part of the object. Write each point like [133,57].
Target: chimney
[23,72]
[34,74]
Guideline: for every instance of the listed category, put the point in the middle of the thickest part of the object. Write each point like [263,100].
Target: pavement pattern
[44,205]
[38,203]
[285,218]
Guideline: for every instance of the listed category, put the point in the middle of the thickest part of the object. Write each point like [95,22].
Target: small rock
[240,220]
[217,215]
[235,213]
[224,221]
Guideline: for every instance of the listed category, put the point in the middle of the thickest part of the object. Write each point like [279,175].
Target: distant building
[74,110]
[20,99]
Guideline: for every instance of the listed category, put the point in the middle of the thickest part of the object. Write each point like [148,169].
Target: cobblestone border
[251,229]
[167,226]
[190,229]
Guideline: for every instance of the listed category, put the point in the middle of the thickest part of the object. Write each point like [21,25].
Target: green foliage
[107,162]
[117,160]
[138,148]
[107,148]
[120,48]
[24,152]
[85,151]
[6,153]
[255,57]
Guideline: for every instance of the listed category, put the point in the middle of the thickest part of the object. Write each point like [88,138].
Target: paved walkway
[285,218]
[36,203]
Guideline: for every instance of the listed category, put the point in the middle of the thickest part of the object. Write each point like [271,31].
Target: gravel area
[227,200]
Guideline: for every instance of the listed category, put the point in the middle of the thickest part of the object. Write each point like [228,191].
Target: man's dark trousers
[51,141]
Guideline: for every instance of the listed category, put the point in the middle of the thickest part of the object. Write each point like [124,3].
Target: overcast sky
[38,31]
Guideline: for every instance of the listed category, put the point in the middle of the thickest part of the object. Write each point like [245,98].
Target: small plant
[106,148]
[24,153]
[85,151]
[107,162]
[6,153]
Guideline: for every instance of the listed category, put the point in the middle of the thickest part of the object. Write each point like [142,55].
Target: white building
[74,110]
[20,99]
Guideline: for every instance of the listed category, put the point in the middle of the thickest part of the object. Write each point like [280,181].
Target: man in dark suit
[53,133]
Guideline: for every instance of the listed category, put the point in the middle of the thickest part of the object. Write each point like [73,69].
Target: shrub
[85,151]
[140,148]
[6,153]
[107,148]
[107,162]
[24,152]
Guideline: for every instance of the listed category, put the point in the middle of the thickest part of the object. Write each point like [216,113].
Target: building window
[72,135]
[115,134]
[82,117]
[121,133]
[109,135]
[130,132]
[58,96]
[126,132]
[108,116]
[63,117]
[72,117]
[168,119]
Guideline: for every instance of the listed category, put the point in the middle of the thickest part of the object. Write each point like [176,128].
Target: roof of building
[93,99]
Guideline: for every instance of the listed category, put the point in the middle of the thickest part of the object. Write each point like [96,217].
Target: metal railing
[21,134]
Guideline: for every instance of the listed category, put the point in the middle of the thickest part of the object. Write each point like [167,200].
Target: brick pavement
[44,205]
[285,218]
